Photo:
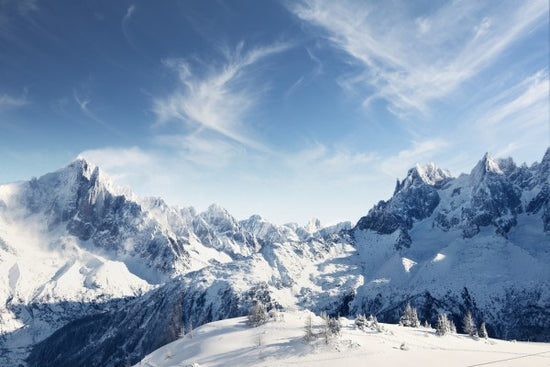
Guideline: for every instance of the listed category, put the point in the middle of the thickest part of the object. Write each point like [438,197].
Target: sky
[289,109]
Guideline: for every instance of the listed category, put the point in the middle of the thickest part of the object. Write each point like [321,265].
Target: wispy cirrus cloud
[218,99]
[8,102]
[126,21]
[530,96]
[212,152]
[420,152]
[83,104]
[306,79]
[332,163]
[518,117]
[411,61]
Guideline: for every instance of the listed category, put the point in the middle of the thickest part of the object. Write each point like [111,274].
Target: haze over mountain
[83,259]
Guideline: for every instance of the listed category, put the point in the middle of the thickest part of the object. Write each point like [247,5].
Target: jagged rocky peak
[219,217]
[431,174]
[544,167]
[428,174]
[313,225]
[256,218]
[546,157]
[83,173]
[71,175]
[486,166]
[81,166]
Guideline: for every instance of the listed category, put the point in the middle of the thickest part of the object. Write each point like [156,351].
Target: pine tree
[442,327]
[190,329]
[427,324]
[360,322]
[181,331]
[326,327]
[415,321]
[257,315]
[483,331]
[452,327]
[334,325]
[409,317]
[308,328]
[374,324]
[469,325]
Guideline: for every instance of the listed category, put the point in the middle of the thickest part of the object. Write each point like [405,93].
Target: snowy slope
[232,342]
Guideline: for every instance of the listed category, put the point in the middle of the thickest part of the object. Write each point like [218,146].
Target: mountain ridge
[429,245]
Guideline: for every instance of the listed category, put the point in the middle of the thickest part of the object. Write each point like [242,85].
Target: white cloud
[410,63]
[528,97]
[517,120]
[421,152]
[220,99]
[201,150]
[126,21]
[83,105]
[333,165]
[116,158]
[306,79]
[129,13]
[7,102]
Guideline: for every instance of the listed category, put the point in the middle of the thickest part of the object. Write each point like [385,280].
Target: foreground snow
[280,343]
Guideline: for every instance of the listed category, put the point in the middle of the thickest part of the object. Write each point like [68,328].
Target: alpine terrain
[93,275]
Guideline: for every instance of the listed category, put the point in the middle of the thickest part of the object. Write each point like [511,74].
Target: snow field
[232,342]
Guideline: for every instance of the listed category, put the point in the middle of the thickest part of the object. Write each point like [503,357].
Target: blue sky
[290,109]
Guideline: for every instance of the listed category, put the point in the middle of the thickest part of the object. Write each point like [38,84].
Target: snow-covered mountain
[479,242]
[73,242]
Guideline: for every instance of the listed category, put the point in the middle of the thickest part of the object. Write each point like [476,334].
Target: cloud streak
[421,152]
[9,102]
[306,79]
[218,100]
[83,105]
[410,63]
[518,117]
[125,23]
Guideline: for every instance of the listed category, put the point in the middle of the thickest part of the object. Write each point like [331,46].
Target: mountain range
[93,275]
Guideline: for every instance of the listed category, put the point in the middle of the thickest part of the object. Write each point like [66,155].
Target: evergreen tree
[308,328]
[273,314]
[409,317]
[334,325]
[427,324]
[190,329]
[326,327]
[442,327]
[257,315]
[469,325]
[374,324]
[415,321]
[360,322]
[452,327]
[483,331]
